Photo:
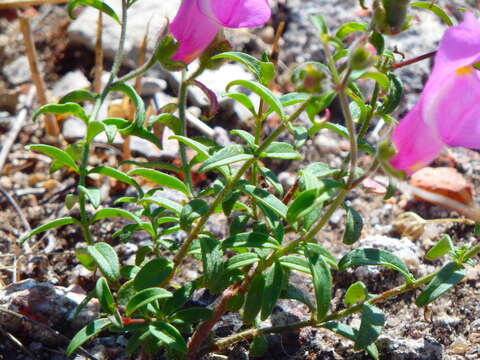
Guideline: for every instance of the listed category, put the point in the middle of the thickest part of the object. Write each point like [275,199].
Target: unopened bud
[363,57]
[217,46]
[392,16]
[309,78]
[165,51]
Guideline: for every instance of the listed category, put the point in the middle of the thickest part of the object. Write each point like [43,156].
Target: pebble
[18,71]
[396,348]
[445,181]
[73,80]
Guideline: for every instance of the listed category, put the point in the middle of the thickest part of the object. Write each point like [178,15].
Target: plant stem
[86,149]
[366,122]
[248,334]
[340,85]
[182,103]
[413,61]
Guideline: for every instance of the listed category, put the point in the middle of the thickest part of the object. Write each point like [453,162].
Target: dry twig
[50,120]
[17,126]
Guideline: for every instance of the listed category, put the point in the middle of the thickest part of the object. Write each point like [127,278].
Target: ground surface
[449,330]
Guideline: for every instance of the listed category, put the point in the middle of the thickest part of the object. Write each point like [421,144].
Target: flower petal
[417,143]
[193,30]
[459,47]
[454,109]
[237,13]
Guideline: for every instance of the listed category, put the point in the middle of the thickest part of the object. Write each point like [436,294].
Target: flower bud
[310,79]
[165,52]
[391,16]
[217,46]
[362,57]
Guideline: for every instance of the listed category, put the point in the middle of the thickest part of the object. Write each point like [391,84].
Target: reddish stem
[414,60]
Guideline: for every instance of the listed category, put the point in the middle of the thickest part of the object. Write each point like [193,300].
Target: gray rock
[142,16]
[18,71]
[395,348]
[53,305]
[151,86]
[74,80]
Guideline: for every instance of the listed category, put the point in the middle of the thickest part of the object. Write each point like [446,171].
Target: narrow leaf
[106,259]
[322,280]
[144,297]
[161,179]
[67,108]
[86,333]
[58,155]
[153,273]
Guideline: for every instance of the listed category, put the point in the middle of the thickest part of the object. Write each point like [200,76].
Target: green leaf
[263,71]
[246,136]
[380,78]
[273,287]
[153,273]
[353,226]
[114,212]
[299,294]
[394,95]
[437,10]
[280,150]
[93,195]
[241,260]
[295,263]
[105,296]
[377,40]
[161,179]
[191,211]
[327,255]
[169,335]
[169,120]
[371,325]
[68,108]
[448,276]
[86,333]
[370,256]
[342,131]
[97,4]
[164,202]
[250,239]
[258,346]
[244,100]
[253,302]
[93,129]
[316,105]
[137,101]
[144,297]
[351,334]
[228,155]
[319,23]
[200,148]
[213,266]
[238,224]
[443,247]
[115,174]
[50,225]
[229,202]
[265,94]
[357,292]
[349,27]
[85,259]
[126,127]
[193,315]
[301,205]
[272,180]
[106,259]
[58,155]
[179,298]
[266,198]
[78,96]
[322,279]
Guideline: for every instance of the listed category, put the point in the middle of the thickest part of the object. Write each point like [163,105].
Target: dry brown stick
[17,342]
[11,4]
[97,83]
[56,334]
[50,120]
[17,126]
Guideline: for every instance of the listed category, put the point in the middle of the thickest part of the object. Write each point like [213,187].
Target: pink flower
[448,112]
[198,21]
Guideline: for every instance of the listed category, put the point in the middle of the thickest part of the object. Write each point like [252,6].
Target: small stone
[444,181]
[74,80]
[18,71]
[151,86]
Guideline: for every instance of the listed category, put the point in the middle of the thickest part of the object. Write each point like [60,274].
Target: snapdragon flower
[448,111]
[198,21]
